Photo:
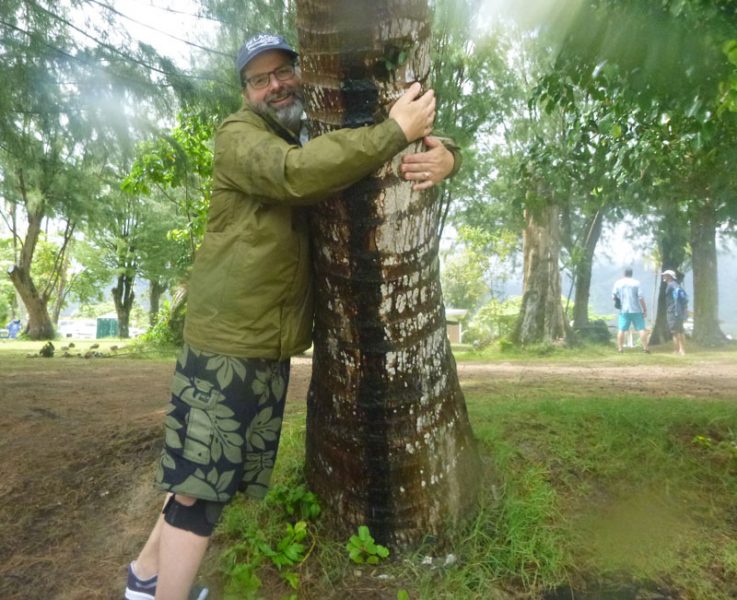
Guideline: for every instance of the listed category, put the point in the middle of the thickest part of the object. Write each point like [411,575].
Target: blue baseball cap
[259,43]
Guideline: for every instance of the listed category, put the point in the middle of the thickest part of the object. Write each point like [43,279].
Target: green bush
[492,321]
[169,327]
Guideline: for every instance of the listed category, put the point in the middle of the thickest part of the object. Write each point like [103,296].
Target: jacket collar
[281,131]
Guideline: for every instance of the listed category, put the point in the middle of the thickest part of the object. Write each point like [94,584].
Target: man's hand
[429,167]
[414,113]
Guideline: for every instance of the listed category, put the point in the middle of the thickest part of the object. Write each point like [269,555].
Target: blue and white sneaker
[140,589]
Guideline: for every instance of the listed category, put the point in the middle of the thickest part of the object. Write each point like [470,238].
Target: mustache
[281,95]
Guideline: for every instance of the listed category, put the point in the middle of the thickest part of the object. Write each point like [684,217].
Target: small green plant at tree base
[257,544]
[247,556]
[242,581]
[402,595]
[363,549]
[296,501]
[289,550]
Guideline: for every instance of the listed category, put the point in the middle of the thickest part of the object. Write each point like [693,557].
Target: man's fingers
[422,185]
[417,171]
[411,93]
[414,114]
[431,141]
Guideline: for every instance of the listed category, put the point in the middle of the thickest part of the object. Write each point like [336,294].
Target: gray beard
[289,117]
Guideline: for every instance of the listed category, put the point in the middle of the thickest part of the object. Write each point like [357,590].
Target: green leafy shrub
[296,501]
[494,320]
[363,549]
[169,327]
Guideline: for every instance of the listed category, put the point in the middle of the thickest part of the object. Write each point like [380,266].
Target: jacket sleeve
[261,164]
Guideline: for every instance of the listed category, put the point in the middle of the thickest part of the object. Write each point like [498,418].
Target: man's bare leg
[147,563]
[681,343]
[180,555]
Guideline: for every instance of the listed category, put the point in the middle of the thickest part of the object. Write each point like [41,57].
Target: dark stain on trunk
[372,385]
[359,99]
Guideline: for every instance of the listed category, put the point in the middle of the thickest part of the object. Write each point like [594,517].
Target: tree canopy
[595,111]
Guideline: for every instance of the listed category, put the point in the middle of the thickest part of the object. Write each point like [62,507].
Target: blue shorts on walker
[627,319]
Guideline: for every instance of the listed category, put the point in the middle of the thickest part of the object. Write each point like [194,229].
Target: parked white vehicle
[77,328]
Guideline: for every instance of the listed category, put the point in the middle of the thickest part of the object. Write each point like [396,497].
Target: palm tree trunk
[389,444]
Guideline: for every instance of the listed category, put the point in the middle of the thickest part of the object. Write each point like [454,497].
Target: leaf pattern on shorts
[207,409]
[258,465]
[225,440]
[269,380]
[172,439]
[226,367]
[195,392]
[184,354]
[264,428]
[167,461]
[210,486]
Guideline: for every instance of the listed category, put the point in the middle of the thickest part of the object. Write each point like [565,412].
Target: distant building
[453,318]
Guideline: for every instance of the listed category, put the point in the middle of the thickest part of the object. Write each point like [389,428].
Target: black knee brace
[200,518]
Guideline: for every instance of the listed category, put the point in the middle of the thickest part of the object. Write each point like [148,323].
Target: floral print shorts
[223,425]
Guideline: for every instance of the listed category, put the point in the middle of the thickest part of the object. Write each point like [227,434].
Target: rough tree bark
[123,296]
[39,325]
[389,444]
[705,300]
[672,237]
[582,271]
[541,316]
[156,290]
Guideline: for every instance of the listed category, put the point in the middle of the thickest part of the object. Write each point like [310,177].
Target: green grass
[577,490]
[582,486]
[590,353]
[633,492]
[123,347]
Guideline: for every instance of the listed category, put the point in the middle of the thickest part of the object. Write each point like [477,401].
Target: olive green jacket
[250,292]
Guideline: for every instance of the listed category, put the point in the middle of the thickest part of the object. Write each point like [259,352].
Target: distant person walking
[676,310]
[14,328]
[632,309]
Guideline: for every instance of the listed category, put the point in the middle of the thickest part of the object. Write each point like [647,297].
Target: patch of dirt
[705,380]
[80,439]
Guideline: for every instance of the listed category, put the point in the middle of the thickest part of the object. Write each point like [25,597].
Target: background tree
[68,96]
[669,58]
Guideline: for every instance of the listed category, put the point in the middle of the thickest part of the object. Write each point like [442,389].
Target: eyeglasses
[262,80]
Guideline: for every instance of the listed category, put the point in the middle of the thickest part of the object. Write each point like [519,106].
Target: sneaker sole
[202,595]
[196,594]
[133,595]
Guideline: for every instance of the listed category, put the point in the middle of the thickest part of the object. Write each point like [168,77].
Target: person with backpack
[628,299]
[676,306]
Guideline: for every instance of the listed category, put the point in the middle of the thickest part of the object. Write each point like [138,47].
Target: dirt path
[80,439]
[704,380]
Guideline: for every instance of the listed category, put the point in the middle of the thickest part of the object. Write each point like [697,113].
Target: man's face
[282,99]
